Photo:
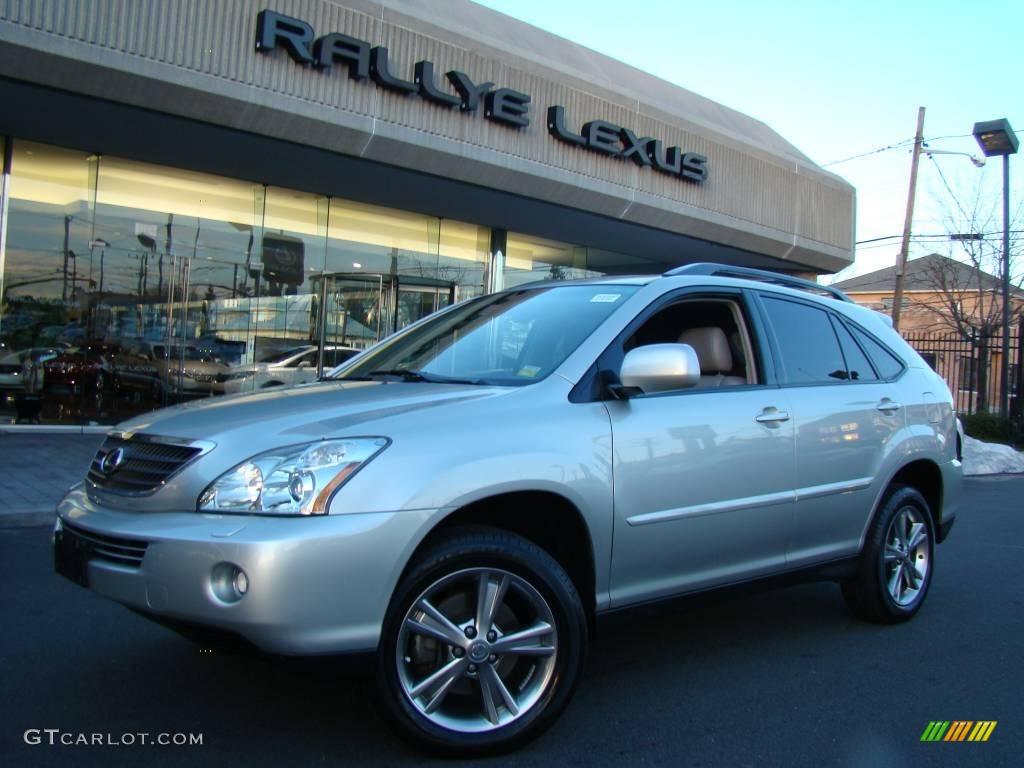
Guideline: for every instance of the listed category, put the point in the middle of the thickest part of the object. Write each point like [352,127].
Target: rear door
[845,413]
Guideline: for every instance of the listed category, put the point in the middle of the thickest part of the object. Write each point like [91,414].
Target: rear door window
[807,344]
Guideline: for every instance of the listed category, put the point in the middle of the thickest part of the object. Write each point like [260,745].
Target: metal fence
[973,368]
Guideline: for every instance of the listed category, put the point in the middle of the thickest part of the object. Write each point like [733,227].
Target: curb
[25,518]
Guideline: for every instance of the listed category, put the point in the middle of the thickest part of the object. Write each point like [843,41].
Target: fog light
[241,581]
[228,582]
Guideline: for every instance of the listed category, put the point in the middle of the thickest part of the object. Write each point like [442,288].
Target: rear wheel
[482,646]
[896,565]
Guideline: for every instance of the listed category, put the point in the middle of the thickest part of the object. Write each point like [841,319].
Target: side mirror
[305,364]
[660,368]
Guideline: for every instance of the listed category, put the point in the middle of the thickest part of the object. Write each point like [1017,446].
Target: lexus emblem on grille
[112,461]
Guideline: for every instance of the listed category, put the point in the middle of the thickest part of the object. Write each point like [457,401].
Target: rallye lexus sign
[502,105]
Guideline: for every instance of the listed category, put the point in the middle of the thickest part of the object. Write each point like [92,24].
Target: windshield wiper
[407,374]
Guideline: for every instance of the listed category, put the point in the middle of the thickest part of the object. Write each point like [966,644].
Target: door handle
[888,406]
[771,415]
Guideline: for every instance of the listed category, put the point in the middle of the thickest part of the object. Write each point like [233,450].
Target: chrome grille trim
[146,463]
[112,549]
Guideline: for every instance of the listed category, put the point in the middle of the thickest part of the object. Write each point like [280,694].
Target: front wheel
[482,645]
[897,561]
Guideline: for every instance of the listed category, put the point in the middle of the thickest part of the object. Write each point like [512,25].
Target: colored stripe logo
[959,730]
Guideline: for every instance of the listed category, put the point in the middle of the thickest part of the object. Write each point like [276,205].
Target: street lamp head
[996,137]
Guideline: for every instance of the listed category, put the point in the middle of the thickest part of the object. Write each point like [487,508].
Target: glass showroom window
[144,285]
[388,268]
[535,258]
[170,248]
[47,374]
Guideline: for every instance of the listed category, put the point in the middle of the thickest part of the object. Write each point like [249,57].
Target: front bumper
[316,585]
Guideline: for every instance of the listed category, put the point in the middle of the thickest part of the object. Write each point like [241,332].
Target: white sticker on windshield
[606,298]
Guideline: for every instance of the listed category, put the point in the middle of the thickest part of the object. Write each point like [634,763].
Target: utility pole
[901,263]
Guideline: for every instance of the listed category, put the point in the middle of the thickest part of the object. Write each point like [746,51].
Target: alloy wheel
[477,650]
[906,555]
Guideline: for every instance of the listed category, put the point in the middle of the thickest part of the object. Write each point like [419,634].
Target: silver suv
[468,497]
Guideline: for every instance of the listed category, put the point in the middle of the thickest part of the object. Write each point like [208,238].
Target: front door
[703,489]
[704,476]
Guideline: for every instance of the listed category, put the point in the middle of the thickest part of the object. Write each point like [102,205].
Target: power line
[897,145]
[938,167]
[878,242]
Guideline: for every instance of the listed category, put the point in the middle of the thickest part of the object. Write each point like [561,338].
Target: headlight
[296,480]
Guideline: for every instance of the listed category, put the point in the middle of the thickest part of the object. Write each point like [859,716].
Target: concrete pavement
[35,471]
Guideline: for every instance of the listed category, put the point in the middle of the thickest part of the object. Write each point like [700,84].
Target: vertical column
[254,264]
[5,188]
[318,300]
[496,262]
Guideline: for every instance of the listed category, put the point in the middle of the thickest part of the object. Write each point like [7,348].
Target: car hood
[197,365]
[248,368]
[262,420]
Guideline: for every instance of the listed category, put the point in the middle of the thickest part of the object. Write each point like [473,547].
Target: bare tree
[962,289]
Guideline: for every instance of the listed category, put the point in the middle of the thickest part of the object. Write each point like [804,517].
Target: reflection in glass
[47,282]
[128,286]
[534,258]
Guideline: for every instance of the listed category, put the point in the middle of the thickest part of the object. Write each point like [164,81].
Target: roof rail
[778,278]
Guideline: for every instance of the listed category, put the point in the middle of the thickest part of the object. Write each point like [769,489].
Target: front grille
[145,463]
[112,549]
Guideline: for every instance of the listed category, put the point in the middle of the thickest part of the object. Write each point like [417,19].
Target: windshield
[510,338]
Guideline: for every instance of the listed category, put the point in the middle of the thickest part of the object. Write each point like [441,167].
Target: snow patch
[990,458]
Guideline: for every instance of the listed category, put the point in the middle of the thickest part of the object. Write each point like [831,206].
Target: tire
[896,564]
[496,694]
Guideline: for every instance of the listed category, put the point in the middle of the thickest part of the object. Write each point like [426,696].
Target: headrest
[712,348]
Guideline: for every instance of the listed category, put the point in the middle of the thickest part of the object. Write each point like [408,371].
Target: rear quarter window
[888,365]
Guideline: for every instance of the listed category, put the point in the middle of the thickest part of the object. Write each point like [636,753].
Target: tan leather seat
[712,348]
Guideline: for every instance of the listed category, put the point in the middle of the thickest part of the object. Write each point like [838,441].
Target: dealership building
[222,181]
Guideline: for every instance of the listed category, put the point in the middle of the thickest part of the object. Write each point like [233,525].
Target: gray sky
[836,79]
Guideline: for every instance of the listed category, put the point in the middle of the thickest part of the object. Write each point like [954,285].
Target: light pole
[148,242]
[102,244]
[997,139]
